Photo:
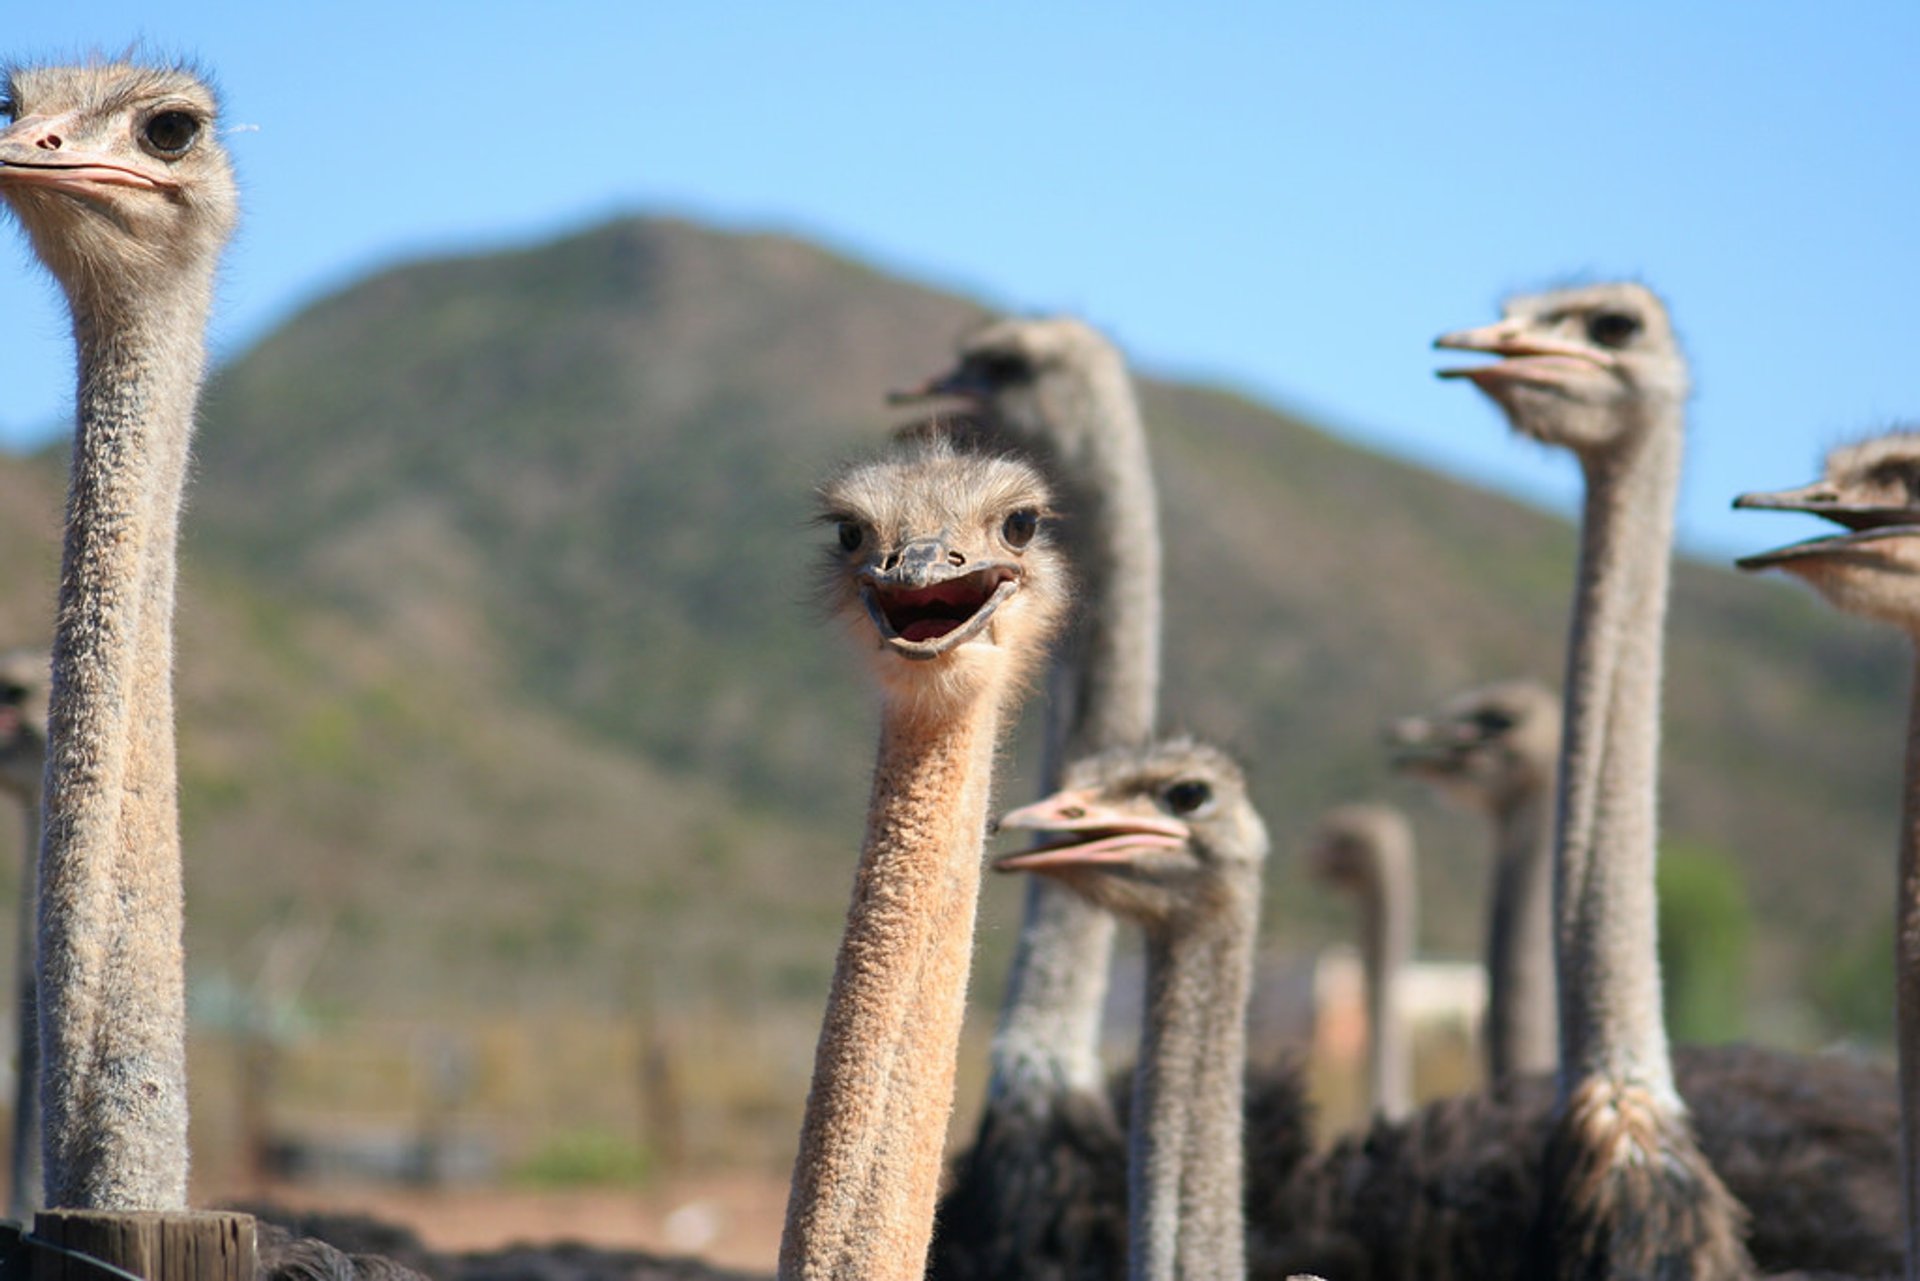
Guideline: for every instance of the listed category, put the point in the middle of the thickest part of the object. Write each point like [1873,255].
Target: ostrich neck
[870,1145]
[1387,919]
[1103,690]
[1521,1009]
[111,970]
[1610,1005]
[24,1157]
[1907,982]
[1184,1167]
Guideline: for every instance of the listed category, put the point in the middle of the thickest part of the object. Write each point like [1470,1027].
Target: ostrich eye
[850,535]
[1492,722]
[1020,527]
[1187,796]
[1002,367]
[12,694]
[171,133]
[1613,328]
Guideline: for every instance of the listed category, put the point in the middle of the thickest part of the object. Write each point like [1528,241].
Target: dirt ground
[729,1219]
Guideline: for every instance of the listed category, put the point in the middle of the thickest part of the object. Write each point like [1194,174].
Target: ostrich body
[1493,750]
[115,174]
[1164,836]
[1597,371]
[1367,851]
[23,765]
[1873,489]
[1029,1196]
[945,578]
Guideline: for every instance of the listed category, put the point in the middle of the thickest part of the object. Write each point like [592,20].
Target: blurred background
[521,782]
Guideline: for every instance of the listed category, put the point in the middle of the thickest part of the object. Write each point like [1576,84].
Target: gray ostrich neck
[112,988]
[1610,1004]
[1184,1166]
[1907,982]
[1386,948]
[24,1157]
[1522,1036]
[1103,690]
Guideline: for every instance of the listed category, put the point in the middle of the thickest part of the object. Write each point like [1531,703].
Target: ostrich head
[1161,835]
[1483,747]
[943,568]
[1034,376]
[114,171]
[1873,489]
[1573,359]
[23,721]
[1353,843]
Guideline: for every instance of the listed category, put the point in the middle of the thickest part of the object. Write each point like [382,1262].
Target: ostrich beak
[1854,542]
[958,381]
[1822,499]
[1807,498]
[1091,833]
[1413,745]
[924,604]
[31,155]
[1525,355]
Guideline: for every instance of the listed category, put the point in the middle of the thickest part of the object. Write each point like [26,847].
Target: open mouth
[1099,845]
[924,621]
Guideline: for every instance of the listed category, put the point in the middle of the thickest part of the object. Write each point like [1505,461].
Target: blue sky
[1290,200]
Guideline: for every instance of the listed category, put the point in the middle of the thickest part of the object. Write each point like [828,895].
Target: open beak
[1088,832]
[924,605]
[1525,358]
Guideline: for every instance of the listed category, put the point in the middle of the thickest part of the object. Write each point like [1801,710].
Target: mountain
[500,671]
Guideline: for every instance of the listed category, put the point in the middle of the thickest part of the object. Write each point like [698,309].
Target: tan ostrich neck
[1610,1004]
[1522,1033]
[1184,1174]
[870,1146]
[111,971]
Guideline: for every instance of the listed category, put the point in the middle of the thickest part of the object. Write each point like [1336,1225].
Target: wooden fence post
[190,1245]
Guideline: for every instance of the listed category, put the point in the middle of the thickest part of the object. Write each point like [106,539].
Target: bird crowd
[1011,540]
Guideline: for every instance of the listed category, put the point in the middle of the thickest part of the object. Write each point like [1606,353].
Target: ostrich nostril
[956,559]
[1073,811]
[50,142]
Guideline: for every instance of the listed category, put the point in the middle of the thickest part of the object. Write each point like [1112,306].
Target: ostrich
[23,762]
[1873,489]
[1021,1196]
[1597,371]
[1164,836]
[947,580]
[1492,749]
[116,174]
[1367,851]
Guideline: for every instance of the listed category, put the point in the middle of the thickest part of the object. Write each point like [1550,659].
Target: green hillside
[500,672]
